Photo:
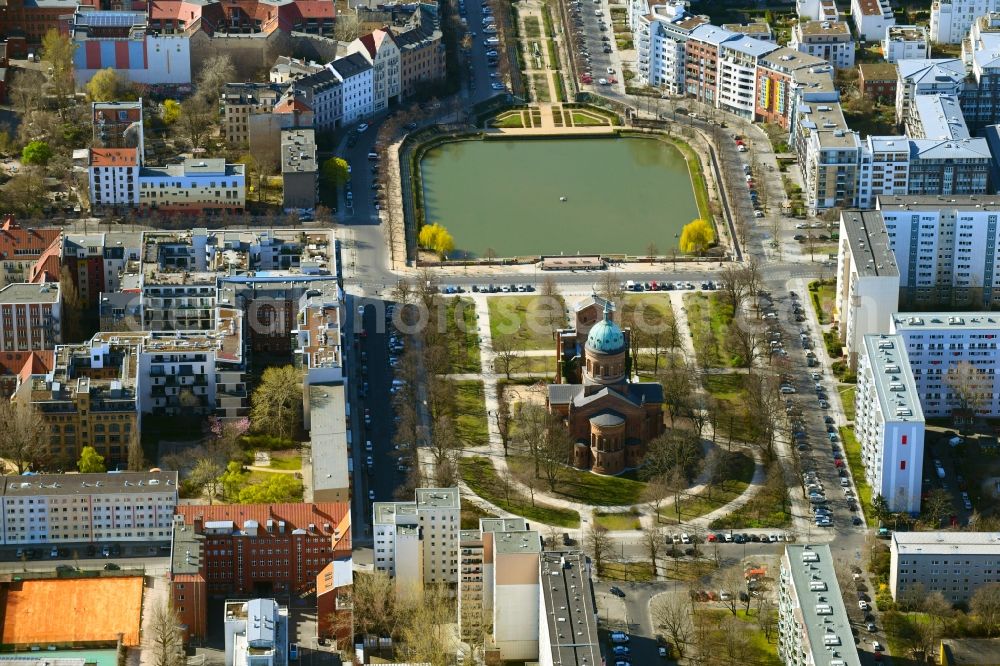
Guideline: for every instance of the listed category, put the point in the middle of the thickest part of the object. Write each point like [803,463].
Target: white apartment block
[906,42]
[871,18]
[813,627]
[867,280]
[829,40]
[889,423]
[325,96]
[417,542]
[885,168]
[194,186]
[951,19]
[945,250]
[737,74]
[956,564]
[937,343]
[659,32]
[357,75]
[829,156]
[941,76]
[31,316]
[380,50]
[817,10]
[88,508]
[114,177]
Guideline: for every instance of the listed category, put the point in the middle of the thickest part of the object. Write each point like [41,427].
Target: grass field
[758,651]
[640,572]
[532,28]
[463,340]
[479,474]
[729,390]
[708,317]
[847,394]
[617,521]
[532,319]
[852,449]
[470,413]
[695,506]
[286,460]
[471,515]
[646,310]
[581,486]
[821,295]
[769,507]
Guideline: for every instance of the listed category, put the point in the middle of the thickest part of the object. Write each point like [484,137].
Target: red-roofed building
[253,550]
[16,366]
[243,16]
[20,250]
[114,177]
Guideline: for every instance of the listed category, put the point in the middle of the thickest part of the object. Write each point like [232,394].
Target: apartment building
[421,51]
[758,30]
[416,543]
[287,69]
[324,93]
[88,508]
[737,88]
[945,250]
[906,42]
[114,177]
[885,167]
[872,18]
[889,422]
[248,546]
[30,316]
[817,10]
[952,19]
[24,253]
[981,96]
[203,185]
[299,169]
[659,32]
[240,101]
[787,77]
[867,280]
[256,633]
[88,398]
[829,40]
[380,50]
[500,561]
[941,76]
[877,81]
[954,360]
[813,626]
[357,75]
[936,117]
[26,21]
[567,601]
[702,52]
[829,154]
[956,564]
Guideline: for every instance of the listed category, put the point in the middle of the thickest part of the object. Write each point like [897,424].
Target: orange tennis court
[81,611]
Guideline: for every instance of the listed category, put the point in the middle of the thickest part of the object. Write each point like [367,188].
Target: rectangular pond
[621,194]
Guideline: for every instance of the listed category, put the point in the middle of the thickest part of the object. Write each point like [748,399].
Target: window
[902,464]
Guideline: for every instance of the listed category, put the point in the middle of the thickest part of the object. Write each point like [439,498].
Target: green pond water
[621,195]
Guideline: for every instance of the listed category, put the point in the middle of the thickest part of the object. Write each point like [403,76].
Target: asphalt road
[477,78]
[586,17]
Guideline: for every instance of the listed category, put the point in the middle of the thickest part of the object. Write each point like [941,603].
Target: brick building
[253,550]
[877,80]
[21,249]
[610,418]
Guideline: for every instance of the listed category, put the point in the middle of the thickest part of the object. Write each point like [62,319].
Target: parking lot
[594,43]
[484,49]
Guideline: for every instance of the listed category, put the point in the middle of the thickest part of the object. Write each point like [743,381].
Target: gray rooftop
[829,29]
[298,150]
[109,483]
[893,379]
[185,549]
[520,541]
[946,543]
[437,498]
[969,202]
[932,70]
[192,167]
[749,46]
[328,437]
[953,321]
[350,65]
[23,292]
[940,117]
[502,524]
[821,604]
[962,149]
[869,243]
[568,600]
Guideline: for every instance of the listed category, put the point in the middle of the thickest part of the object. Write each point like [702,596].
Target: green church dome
[606,336]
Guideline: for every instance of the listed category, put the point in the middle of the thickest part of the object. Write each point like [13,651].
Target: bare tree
[426,633]
[136,457]
[745,342]
[733,287]
[163,636]
[556,450]
[654,494]
[599,546]
[532,421]
[731,582]
[679,380]
[610,289]
[753,279]
[735,640]
[985,605]
[502,418]
[22,435]
[671,613]
[653,539]
[507,354]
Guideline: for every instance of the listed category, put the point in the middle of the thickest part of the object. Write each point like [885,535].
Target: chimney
[199,525]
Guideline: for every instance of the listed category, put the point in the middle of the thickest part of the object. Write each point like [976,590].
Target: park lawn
[539,365]
[481,477]
[688,570]
[822,294]
[697,179]
[847,395]
[766,508]
[581,119]
[639,572]
[471,515]
[852,449]
[286,460]
[581,486]
[509,120]
[708,318]
[617,521]
[541,87]
[532,319]
[532,29]
[695,506]
[254,477]
[463,345]
[470,413]
[760,652]
[646,310]
[729,391]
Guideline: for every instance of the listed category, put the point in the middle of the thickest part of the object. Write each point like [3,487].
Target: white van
[373,156]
